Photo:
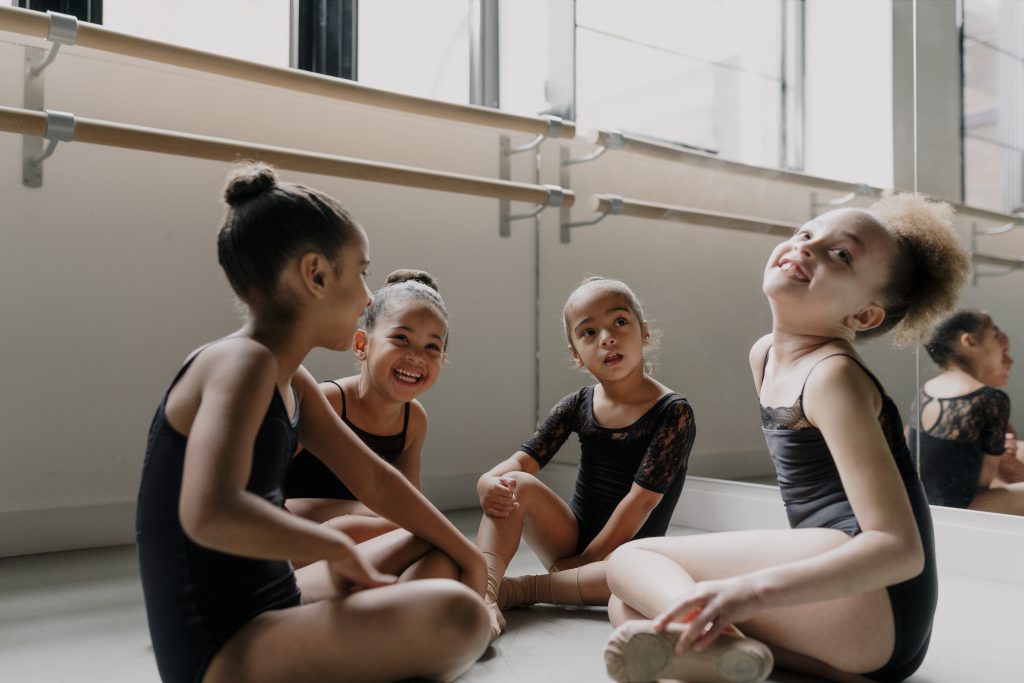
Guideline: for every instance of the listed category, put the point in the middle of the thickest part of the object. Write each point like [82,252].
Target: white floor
[78,617]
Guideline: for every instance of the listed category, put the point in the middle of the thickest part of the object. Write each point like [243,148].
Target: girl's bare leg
[542,518]
[1008,500]
[433,628]
[851,634]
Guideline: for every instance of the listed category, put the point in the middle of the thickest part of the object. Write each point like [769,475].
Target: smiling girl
[635,435]
[400,347]
[851,588]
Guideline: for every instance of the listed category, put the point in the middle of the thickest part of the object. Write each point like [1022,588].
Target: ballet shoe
[636,653]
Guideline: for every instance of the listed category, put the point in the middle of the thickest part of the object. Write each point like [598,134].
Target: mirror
[982,164]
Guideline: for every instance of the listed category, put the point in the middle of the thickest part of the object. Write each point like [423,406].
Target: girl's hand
[709,608]
[1011,445]
[568,563]
[355,574]
[497,495]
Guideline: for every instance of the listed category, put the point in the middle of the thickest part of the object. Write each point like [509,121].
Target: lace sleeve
[554,429]
[669,450]
[997,419]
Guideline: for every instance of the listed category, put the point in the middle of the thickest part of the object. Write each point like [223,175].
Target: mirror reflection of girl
[968,447]
[214,540]
[401,348]
[635,437]
[849,592]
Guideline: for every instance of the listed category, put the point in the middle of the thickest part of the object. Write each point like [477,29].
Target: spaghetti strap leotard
[308,477]
[197,598]
[814,497]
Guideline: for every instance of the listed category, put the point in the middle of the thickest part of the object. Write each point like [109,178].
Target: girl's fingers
[717,627]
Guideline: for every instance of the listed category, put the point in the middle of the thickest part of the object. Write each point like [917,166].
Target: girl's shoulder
[417,418]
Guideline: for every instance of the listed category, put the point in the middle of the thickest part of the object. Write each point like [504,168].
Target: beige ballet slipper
[636,653]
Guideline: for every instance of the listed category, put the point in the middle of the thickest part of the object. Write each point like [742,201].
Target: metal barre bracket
[60,127]
[63,31]
[555,196]
[861,189]
[615,141]
[1001,230]
[565,228]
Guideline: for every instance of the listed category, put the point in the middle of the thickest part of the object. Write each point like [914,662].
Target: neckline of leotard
[593,418]
[980,389]
[360,430]
[800,398]
[292,420]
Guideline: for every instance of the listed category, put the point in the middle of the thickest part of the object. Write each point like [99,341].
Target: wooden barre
[26,122]
[667,212]
[36,24]
[669,152]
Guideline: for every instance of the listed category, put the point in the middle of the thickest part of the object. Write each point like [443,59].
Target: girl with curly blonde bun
[851,588]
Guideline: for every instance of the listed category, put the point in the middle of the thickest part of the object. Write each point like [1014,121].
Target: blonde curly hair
[930,268]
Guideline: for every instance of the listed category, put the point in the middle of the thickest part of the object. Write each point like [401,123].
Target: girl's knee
[460,612]
[525,483]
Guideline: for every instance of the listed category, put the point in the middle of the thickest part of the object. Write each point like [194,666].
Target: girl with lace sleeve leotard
[215,545]
[968,448]
[635,439]
[851,587]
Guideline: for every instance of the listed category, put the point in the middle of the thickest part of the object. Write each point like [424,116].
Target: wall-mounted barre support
[505,154]
[27,22]
[1008,264]
[25,122]
[62,30]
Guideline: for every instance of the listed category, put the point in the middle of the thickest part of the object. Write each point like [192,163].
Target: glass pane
[420,48]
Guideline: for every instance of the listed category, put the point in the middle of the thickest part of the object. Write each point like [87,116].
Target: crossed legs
[832,639]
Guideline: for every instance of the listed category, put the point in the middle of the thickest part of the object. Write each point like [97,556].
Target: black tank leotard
[196,598]
[308,477]
[653,452]
[968,428]
[814,497]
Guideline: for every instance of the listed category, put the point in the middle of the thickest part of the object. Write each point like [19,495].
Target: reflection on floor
[78,617]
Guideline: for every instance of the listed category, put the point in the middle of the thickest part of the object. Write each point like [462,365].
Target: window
[85,10]
[324,37]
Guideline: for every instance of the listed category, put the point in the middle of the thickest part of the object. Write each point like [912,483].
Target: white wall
[108,278]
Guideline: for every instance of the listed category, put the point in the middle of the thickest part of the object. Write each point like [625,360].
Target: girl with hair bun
[215,544]
[400,346]
[968,448]
[851,588]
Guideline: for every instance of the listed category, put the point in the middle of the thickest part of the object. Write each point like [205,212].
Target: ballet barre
[62,127]
[38,25]
[614,205]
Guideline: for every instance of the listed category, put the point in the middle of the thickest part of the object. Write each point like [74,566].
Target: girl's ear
[967,340]
[867,318]
[359,344]
[645,332]
[312,271]
[575,356]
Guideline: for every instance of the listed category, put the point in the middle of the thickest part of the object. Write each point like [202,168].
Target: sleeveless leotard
[653,452]
[196,598]
[814,497]
[308,477]
[968,428]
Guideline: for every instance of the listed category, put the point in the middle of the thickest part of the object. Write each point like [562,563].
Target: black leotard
[308,477]
[952,450]
[814,497]
[196,598]
[653,452]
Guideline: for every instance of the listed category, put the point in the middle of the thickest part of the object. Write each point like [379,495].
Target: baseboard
[31,532]
[973,544]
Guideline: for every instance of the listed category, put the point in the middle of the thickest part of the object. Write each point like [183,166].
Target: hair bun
[412,275]
[248,182]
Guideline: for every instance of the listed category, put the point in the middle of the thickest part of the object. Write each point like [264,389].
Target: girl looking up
[401,348]
[635,435]
[852,587]
[214,540]
[968,447]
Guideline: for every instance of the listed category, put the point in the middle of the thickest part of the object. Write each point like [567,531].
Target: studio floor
[78,617]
